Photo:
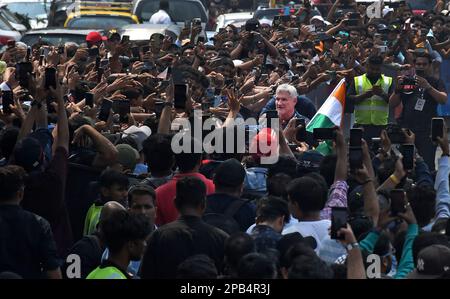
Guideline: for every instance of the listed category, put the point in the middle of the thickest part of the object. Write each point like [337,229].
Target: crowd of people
[88,166]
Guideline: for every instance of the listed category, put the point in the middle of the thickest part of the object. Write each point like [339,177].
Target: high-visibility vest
[374,110]
[106,273]
[92,218]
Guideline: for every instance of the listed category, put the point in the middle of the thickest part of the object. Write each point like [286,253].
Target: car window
[99,22]
[267,13]
[9,15]
[30,9]
[53,39]
[179,10]
[422,4]
[4,24]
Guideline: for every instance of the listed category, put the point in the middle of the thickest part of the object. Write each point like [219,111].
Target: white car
[36,11]
[7,32]
[12,19]
[237,19]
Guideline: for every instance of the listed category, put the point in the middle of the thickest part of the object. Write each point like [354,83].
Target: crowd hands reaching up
[109,107]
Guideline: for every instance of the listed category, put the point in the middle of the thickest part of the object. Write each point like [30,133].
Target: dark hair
[128,140]
[158,152]
[277,185]
[191,192]
[423,202]
[285,164]
[382,247]
[361,225]
[198,266]
[256,266]
[423,55]
[110,177]
[187,161]
[237,246]
[309,194]
[8,139]
[375,60]
[425,239]
[270,208]
[339,271]
[141,192]
[398,244]
[122,227]
[307,267]
[328,168]
[12,179]
[164,5]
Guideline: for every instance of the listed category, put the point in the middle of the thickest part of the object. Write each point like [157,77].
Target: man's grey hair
[71,44]
[291,90]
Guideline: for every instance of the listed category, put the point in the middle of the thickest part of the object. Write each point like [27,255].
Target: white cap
[265,21]
[387,10]
[237,62]
[320,18]
[138,130]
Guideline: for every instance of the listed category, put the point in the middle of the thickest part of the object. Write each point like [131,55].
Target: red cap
[266,138]
[95,37]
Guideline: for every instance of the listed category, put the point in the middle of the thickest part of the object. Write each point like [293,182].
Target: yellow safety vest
[106,273]
[92,218]
[374,110]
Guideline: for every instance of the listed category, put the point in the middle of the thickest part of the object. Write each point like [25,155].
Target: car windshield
[179,10]
[30,9]
[421,4]
[53,39]
[4,25]
[267,13]
[9,15]
[99,22]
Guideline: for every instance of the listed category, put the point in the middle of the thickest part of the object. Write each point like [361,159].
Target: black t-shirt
[412,117]
[26,243]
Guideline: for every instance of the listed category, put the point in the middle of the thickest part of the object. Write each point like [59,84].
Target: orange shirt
[165,196]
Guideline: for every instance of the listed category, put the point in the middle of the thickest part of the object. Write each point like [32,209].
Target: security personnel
[125,237]
[369,94]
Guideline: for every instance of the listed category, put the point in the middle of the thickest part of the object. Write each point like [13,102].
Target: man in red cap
[94,39]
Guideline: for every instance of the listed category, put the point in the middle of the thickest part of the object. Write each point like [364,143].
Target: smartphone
[355,157]
[301,133]
[311,28]
[93,52]
[159,106]
[356,135]
[251,27]
[196,22]
[295,31]
[339,219]
[180,96]
[135,52]
[276,21]
[398,201]
[187,24]
[124,109]
[354,15]
[105,109]
[45,51]
[201,39]
[125,39]
[324,133]
[104,63]
[285,18]
[437,128]
[383,49]
[50,77]
[28,53]
[408,153]
[352,22]
[89,99]
[61,50]
[7,99]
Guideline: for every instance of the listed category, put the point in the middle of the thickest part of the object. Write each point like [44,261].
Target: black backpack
[225,221]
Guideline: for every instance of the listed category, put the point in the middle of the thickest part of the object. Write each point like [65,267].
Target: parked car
[12,18]
[179,10]
[35,12]
[236,19]
[55,36]
[7,32]
[142,32]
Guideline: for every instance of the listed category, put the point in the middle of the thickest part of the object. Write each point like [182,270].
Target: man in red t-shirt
[188,165]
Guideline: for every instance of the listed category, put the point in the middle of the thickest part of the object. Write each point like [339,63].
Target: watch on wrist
[352,246]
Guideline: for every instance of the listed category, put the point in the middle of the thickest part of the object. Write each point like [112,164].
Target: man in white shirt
[161,16]
[307,198]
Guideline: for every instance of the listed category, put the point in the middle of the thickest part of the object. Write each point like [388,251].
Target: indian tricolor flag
[329,115]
